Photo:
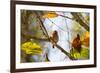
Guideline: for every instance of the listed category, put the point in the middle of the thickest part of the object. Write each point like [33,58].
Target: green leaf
[84,54]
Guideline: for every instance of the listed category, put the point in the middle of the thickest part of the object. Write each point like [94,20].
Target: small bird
[54,38]
[76,44]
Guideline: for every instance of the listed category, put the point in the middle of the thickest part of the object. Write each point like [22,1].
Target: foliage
[50,14]
[84,54]
[31,48]
[31,25]
[86,39]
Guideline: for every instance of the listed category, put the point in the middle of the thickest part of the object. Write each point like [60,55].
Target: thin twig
[56,25]
[67,29]
[63,16]
[66,17]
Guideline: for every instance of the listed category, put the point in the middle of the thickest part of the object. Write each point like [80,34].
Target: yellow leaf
[86,39]
[31,48]
[50,14]
[87,34]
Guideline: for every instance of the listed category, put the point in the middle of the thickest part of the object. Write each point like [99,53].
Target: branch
[82,18]
[80,21]
[63,16]
[66,16]
[59,47]
[46,39]
[42,26]
[65,52]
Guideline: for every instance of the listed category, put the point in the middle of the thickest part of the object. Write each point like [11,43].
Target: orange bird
[54,38]
[76,44]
